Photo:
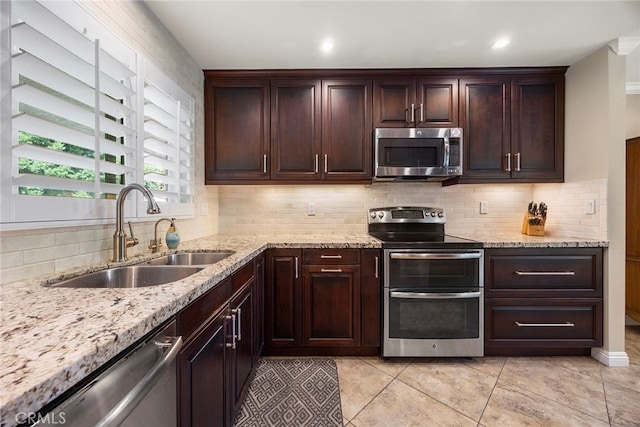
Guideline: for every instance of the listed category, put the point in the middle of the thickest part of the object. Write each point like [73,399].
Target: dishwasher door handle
[129,402]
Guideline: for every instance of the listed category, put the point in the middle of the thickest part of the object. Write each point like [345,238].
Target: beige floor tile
[632,338]
[401,405]
[489,365]
[585,365]
[453,383]
[578,391]
[623,405]
[390,366]
[623,376]
[513,406]
[359,384]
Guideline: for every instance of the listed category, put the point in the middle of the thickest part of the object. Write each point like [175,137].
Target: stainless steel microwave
[431,154]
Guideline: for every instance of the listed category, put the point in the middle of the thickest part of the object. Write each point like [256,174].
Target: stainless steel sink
[190,258]
[134,276]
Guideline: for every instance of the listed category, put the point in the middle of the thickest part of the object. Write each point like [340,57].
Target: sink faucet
[156,243]
[120,239]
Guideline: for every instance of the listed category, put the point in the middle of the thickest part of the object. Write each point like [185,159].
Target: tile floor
[491,391]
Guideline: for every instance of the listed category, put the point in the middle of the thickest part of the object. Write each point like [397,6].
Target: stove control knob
[440,214]
[380,215]
[433,214]
[372,214]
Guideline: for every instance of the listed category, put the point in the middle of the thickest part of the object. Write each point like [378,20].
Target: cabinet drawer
[242,277]
[544,272]
[331,256]
[545,323]
[192,317]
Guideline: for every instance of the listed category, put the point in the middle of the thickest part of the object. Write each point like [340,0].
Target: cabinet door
[258,300]
[242,344]
[485,117]
[437,103]
[347,136]
[236,130]
[392,101]
[295,129]
[202,378]
[331,305]
[283,298]
[537,139]
[371,301]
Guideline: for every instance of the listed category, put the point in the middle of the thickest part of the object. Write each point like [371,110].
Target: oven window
[434,319]
[410,152]
[416,270]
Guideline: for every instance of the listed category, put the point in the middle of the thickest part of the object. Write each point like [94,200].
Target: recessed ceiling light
[326,46]
[499,44]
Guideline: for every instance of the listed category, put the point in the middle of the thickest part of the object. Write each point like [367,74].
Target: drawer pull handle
[553,325]
[545,273]
[331,270]
[331,256]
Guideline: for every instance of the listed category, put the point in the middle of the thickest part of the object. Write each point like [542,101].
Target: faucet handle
[131,241]
[155,245]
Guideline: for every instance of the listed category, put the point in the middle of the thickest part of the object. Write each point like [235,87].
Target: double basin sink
[157,271]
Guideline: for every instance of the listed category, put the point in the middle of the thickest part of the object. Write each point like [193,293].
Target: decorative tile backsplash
[340,208]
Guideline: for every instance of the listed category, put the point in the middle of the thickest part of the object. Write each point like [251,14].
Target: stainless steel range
[433,285]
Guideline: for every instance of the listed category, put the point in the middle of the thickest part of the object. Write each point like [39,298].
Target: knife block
[532,230]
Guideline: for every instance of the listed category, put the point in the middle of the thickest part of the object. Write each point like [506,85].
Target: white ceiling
[267,34]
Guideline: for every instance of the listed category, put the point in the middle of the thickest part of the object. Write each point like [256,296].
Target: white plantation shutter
[168,142]
[87,120]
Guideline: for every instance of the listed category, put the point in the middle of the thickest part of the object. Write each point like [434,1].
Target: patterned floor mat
[293,393]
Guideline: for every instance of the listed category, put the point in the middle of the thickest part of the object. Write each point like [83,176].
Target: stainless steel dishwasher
[138,390]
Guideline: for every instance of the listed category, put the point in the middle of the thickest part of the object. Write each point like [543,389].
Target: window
[88,116]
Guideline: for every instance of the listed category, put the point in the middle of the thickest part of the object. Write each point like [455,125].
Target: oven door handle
[435,255]
[435,295]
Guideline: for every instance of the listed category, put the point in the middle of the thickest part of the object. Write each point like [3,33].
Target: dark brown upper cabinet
[537,128]
[427,102]
[513,128]
[296,145]
[346,130]
[485,119]
[236,129]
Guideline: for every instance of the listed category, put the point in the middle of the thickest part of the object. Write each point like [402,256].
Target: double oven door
[433,303]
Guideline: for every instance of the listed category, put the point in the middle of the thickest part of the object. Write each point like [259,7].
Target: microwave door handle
[438,295]
[445,161]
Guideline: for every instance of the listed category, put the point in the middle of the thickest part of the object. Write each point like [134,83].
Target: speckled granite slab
[518,240]
[54,337]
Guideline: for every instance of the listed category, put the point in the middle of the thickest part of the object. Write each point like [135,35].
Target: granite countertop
[518,240]
[54,337]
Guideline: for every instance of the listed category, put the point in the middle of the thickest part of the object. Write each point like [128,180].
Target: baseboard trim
[610,358]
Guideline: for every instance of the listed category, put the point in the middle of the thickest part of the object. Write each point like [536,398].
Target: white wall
[595,149]
[30,253]
[633,116]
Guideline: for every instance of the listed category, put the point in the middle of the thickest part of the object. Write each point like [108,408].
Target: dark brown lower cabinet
[322,302]
[202,377]
[219,353]
[202,366]
[242,343]
[543,301]
[331,305]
